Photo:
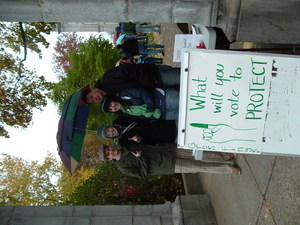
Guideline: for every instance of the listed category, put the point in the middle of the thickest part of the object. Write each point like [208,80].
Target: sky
[34,142]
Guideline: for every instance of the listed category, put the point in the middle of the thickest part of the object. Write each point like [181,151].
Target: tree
[33,183]
[68,183]
[66,43]
[95,56]
[13,35]
[21,89]
[18,98]
[28,183]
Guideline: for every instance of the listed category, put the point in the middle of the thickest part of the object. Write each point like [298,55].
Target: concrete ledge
[192,185]
[193,210]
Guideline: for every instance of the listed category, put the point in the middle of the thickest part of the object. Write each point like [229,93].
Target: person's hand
[137,154]
[134,138]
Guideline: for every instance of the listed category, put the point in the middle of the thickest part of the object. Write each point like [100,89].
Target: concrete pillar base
[193,210]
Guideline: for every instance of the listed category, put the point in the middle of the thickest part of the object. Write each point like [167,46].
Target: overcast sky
[34,142]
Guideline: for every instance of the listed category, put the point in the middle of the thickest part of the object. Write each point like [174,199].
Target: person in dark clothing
[134,28]
[154,60]
[132,47]
[153,104]
[126,76]
[141,59]
[130,76]
[128,131]
[148,160]
[129,48]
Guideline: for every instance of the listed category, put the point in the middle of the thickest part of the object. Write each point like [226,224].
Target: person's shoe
[236,170]
[232,156]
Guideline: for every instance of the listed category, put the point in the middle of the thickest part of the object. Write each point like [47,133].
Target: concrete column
[87,215]
[179,11]
[186,210]
[259,21]
[193,210]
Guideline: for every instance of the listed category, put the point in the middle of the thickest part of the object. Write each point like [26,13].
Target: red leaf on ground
[268,206]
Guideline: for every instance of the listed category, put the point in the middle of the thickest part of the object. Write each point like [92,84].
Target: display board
[230,102]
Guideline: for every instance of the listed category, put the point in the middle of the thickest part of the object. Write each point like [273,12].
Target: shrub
[108,186]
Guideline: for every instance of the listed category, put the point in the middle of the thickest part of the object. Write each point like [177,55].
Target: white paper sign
[185,41]
[226,101]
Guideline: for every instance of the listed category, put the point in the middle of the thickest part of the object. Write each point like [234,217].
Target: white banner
[239,102]
[226,101]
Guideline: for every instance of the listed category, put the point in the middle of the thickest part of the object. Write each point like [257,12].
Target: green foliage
[19,96]
[21,89]
[67,183]
[12,37]
[95,56]
[108,186]
[28,183]
[32,183]
[151,38]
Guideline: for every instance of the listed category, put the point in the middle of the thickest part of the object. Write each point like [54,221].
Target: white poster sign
[239,102]
[224,99]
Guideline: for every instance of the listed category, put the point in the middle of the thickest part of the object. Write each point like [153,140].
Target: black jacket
[130,48]
[128,76]
[151,133]
[155,160]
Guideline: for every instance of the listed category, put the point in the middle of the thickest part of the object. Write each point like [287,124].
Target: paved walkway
[167,37]
[267,192]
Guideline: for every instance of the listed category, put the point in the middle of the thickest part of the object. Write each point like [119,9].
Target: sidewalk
[167,38]
[267,192]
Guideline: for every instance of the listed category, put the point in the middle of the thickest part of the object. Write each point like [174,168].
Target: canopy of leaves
[19,95]
[33,183]
[95,56]
[28,183]
[67,183]
[21,89]
[12,37]
[66,42]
